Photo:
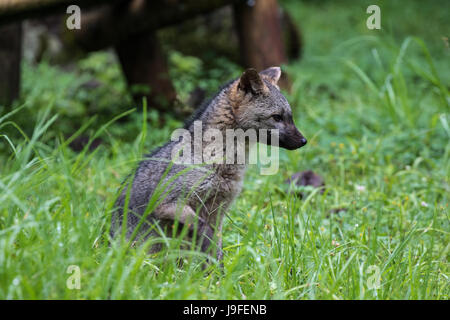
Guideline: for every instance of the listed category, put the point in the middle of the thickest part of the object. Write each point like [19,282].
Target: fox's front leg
[206,237]
[188,217]
[206,243]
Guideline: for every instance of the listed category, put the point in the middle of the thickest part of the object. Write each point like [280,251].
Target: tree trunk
[260,36]
[145,67]
[10,57]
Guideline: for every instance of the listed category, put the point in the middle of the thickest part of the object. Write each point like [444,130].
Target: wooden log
[10,57]
[112,24]
[144,64]
[260,35]
[15,10]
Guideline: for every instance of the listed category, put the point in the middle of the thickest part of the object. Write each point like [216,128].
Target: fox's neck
[219,115]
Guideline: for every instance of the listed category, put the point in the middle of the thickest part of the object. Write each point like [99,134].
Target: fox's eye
[277,117]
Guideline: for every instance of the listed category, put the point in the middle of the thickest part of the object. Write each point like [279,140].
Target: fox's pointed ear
[271,74]
[250,81]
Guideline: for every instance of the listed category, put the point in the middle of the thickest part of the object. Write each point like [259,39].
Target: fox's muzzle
[292,139]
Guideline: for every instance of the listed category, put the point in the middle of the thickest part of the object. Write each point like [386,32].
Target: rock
[307,178]
[338,210]
[80,142]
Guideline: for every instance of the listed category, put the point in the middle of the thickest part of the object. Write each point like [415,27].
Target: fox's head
[259,104]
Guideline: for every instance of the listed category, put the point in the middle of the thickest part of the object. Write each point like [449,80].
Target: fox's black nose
[303,141]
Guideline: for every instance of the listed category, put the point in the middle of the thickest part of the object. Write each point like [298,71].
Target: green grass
[374,106]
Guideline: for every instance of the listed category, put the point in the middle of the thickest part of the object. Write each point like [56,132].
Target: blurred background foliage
[374,105]
[337,52]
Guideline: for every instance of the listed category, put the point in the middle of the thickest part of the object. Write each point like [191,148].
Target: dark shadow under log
[10,58]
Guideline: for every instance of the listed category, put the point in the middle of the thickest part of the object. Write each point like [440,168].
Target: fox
[198,199]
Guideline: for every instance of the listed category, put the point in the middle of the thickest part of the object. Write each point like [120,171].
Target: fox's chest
[218,192]
[230,179]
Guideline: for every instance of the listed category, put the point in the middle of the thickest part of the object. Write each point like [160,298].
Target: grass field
[374,105]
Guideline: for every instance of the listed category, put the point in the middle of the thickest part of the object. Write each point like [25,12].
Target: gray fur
[202,195]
